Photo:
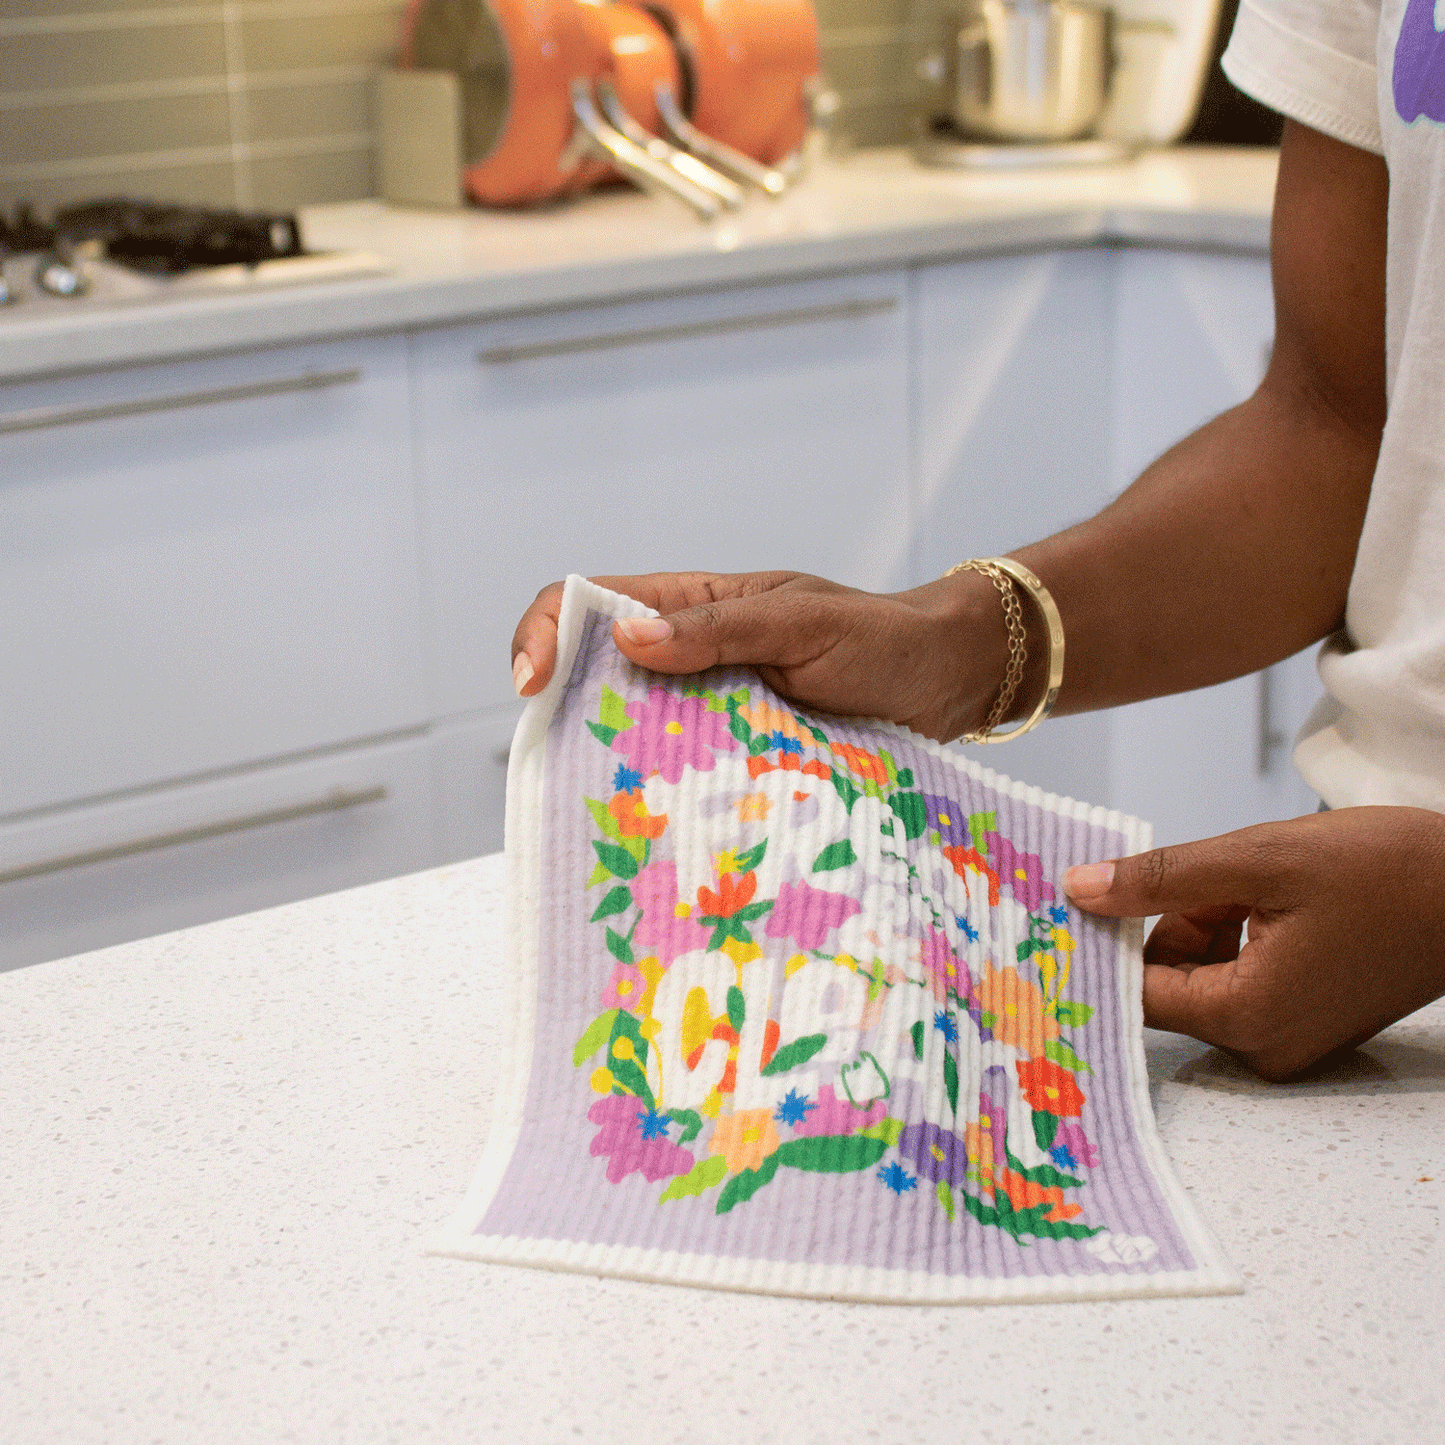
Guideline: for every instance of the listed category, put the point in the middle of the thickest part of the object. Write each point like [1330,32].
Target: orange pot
[642,55]
[516,60]
[746,65]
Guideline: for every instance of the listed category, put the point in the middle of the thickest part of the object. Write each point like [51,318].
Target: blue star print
[652,1124]
[787,745]
[1059,913]
[945,1025]
[794,1109]
[897,1178]
[1061,1156]
[626,779]
[969,931]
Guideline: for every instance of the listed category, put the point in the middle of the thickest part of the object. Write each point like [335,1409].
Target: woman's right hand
[931,658]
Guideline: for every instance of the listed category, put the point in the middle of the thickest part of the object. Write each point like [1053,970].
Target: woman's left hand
[1346,916]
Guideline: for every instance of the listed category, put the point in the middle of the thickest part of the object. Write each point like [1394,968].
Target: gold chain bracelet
[1003,572]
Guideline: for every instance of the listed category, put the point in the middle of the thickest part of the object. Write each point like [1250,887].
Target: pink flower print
[633,1139]
[1073,1149]
[667,927]
[837,1116]
[947,973]
[673,733]
[1023,872]
[624,988]
[808,914]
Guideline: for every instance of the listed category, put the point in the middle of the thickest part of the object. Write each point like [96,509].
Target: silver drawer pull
[46,416]
[646,336]
[334,802]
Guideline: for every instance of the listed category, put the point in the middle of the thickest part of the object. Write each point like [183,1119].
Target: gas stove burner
[167,240]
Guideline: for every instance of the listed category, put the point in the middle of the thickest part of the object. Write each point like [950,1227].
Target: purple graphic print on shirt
[1420,65]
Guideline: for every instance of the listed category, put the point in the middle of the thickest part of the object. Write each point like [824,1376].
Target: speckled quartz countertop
[874,209]
[220,1150]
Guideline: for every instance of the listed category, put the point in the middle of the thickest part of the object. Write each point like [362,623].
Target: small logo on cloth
[1419,77]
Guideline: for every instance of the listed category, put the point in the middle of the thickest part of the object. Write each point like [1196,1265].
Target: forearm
[1230,552]
[1235,548]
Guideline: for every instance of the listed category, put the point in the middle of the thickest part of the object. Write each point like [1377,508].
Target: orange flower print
[961,858]
[865,764]
[735,891]
[978,1146]
[1025,1194]
[1050,1089]
[745,1139]
[1017,1008]
[633,819]
[763,718]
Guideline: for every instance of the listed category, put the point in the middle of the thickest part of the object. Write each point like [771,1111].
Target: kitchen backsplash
[267,103]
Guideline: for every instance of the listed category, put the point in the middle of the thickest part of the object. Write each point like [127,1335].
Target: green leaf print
[604,819]
[1064,1056]
[597,1033]
[703,1175]
[602,734]
[831,1153]
[913,811]
[758,746]
[978,825]
[1044,1174]
[737,1008]
[795,1053]
[742,1187]
[1045,1127]
[888,1130]
[916,1033]
[753,911]
[835,855]
[1031,945]
[845,789]
[738,726]
[1073,1015]
[691,1122]
[600,873]
[616,901]
[945,1199]
[950,1080]
[748,861]
[619,947]
[618,860]
[614,712]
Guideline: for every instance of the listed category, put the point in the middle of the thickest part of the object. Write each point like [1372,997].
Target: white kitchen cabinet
[77,879]
[469,768]
[1045,384]
[1014,375]
[1192,338]
[202,565]
[729,431]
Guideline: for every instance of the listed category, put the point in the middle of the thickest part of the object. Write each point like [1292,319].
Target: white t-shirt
[1372,73]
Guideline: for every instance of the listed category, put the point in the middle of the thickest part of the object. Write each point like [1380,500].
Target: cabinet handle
[1268,736]
[334,802]
[647,335]
[47,416]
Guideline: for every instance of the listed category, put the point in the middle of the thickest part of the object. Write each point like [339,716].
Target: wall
[267,103]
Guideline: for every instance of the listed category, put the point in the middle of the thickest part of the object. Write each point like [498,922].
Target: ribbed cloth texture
[801,1008]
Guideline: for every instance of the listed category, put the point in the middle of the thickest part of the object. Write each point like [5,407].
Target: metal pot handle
[595,137]
[682,132]
[686,165]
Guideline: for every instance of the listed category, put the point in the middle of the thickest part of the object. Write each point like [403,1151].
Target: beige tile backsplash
[267,103]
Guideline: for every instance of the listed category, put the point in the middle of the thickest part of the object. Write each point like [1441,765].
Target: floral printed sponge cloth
[801,1009]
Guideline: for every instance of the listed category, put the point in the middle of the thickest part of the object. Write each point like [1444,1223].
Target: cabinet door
[204,564]
[1014,379]
[1194,334]
[88,877]
[731,431]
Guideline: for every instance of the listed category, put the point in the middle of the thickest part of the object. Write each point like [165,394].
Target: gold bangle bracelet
[992,567]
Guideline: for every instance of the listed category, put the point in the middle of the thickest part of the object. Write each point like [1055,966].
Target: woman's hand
[932,658]
[1346,918]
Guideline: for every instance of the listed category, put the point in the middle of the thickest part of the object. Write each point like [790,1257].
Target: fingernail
[1089,880]
[645,630]
[522,672]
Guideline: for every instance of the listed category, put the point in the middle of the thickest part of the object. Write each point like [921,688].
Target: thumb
[1188,876]
[761,630]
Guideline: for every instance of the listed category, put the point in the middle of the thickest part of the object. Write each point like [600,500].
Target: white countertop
[874,209]
[220,1150]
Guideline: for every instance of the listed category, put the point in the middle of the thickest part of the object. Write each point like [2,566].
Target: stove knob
[60,277]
